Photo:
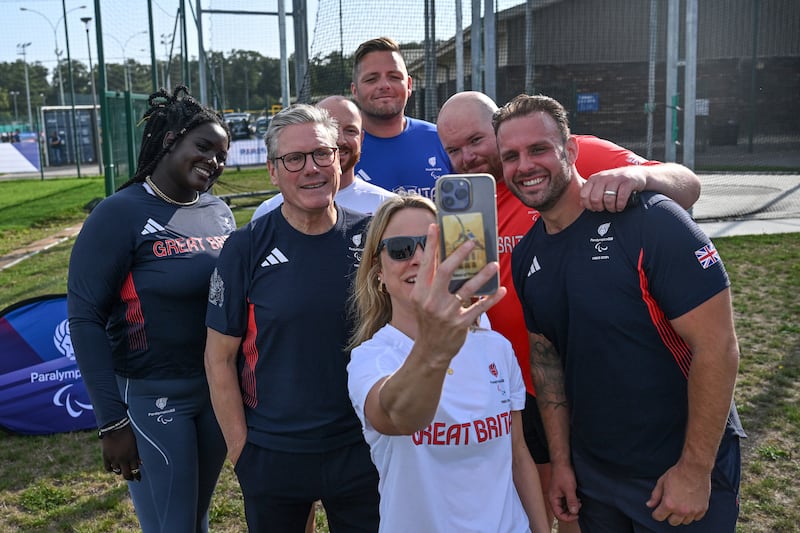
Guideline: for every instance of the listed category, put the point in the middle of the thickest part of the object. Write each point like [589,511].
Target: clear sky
[126,21]
[125,24]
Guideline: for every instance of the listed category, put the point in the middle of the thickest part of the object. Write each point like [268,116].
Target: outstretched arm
[670,179]
[406,401]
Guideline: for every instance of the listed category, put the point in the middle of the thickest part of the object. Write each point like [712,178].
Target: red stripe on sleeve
[137,337]
[249,394]
[674,343]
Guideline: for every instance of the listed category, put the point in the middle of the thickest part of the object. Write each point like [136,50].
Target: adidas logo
[151,226]
[363,175]
[535,267]
[275,257]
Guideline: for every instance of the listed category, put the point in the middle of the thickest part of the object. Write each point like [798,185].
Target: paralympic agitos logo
[63,397]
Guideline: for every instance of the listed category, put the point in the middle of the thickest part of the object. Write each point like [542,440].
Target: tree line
[240,80]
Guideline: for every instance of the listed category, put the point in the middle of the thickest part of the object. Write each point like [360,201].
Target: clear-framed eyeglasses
[294,161]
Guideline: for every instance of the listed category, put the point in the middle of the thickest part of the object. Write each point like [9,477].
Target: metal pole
[75,145]
[529,51]
[60,78]
[459,48]
[489,51]
[300,25]
[222,81]
[430,60]
[690,84]
[94,116]
[671,96]
[23,47]
[42,150]
[284,56]
[187,79]
[55,41]
[753,71]
[128,81]
[165,75]
[651,76]
[109,171]
[201,55]
[153,61]
[14,95]
[345,75]
[475,46]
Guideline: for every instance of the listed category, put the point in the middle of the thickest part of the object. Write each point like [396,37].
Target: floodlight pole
[14,95]
[23,47]
[75,145]
[96,113]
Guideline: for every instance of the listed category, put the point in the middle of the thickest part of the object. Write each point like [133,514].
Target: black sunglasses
[402,248]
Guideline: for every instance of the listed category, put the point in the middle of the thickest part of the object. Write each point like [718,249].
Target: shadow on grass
[777,392]
[770,461]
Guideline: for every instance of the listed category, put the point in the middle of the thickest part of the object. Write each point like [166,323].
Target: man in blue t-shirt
[633,348]
[400,153]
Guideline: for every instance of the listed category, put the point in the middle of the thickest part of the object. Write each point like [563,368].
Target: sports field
[56,483]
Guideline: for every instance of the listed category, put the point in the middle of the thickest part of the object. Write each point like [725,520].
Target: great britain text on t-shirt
[481,430]
[185,245]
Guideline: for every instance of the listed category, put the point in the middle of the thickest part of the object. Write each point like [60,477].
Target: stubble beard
[551,196]
[351,161]
[386,112]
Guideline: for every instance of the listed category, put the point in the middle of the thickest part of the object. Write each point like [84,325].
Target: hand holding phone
[467,210]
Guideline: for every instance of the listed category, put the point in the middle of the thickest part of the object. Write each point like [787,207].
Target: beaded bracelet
[102,432]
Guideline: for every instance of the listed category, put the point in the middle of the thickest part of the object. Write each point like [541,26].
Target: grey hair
[299,114]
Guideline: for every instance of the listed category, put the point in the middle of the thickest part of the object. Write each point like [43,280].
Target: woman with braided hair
[137,295]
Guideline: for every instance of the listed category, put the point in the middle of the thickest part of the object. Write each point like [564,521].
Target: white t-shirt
[359,196]
[456,474]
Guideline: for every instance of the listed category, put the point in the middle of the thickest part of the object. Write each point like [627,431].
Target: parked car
[262,123]
[240,125]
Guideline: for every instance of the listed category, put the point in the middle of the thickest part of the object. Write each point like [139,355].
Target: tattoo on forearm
[548,374]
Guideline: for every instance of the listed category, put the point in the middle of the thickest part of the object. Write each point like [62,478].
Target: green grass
[56,483]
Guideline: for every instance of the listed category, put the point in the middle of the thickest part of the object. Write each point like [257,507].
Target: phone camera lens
[447,186]
[448,202]
[461,194]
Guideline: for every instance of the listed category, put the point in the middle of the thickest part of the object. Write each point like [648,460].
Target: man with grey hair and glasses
[277,331]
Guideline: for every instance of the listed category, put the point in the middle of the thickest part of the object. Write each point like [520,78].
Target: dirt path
[35,247]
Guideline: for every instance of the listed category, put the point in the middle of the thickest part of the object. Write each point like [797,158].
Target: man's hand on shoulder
[610,190]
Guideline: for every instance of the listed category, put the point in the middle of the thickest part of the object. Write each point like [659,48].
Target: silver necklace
[166,198]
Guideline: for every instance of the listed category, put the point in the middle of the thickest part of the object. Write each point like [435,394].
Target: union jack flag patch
[707,255]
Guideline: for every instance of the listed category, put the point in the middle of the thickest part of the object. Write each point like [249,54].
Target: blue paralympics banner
[41,390]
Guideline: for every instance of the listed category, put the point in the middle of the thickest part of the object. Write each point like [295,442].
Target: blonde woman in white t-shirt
[440,400]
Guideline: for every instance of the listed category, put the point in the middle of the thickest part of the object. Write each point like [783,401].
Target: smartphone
[467,210]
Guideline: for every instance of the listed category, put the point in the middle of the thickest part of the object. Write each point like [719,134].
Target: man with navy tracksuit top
[633,347]
[278,327]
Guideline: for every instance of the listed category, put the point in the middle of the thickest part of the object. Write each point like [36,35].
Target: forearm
[226,394]
[673,180]
[710,334]
[526,478]
[409,397]
[548,375]
[93,355]
[711,384]
[226,399]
